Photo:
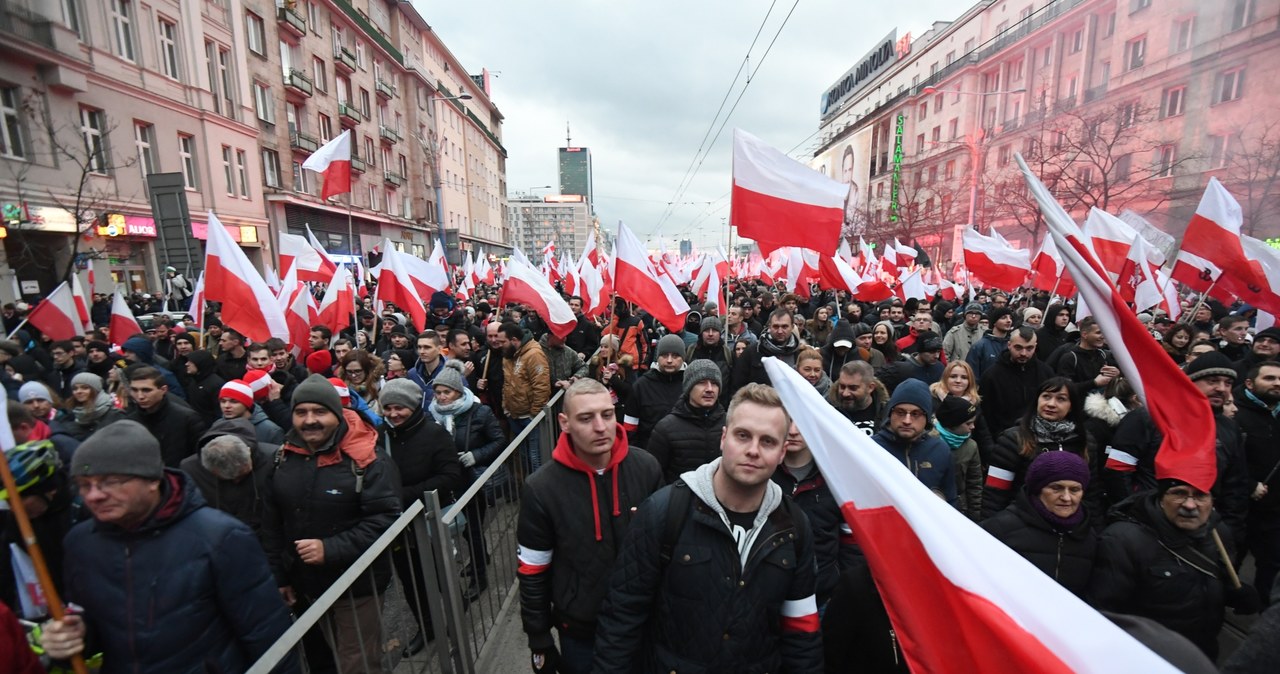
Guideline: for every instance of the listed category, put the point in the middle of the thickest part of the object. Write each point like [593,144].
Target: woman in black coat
[1046,522]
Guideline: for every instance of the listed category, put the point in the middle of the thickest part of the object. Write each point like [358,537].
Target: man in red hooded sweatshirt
[574,513]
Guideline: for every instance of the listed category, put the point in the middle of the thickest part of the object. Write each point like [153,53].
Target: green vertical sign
[897,167]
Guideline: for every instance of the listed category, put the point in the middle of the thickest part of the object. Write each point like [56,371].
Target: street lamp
[433,148]
[978,140]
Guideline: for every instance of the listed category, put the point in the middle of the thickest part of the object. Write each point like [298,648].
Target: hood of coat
[564,455]
[241,428]
[1108,410]
[355,438]
[701,482]
[203,361]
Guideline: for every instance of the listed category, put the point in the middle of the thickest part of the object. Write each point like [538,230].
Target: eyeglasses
[107,485]
[1182,495]
[355,373]
[908,413]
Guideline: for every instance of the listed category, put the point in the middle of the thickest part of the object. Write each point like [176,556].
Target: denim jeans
[575,655]
[530,452]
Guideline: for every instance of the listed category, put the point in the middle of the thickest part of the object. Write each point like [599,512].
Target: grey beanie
[670,344]
[711,323]
[698,371]
[89,379]
[319,390]
[403,392]
[451,376]
[125,447]
[34,390]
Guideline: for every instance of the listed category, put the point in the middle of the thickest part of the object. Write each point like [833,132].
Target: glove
[468,459]
[545,660]
[1245,600]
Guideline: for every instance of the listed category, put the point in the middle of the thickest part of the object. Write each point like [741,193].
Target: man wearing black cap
[1266,346]
[654,393]
[960,338]
[711,346]
[167,584]
[689,435]
[925,364]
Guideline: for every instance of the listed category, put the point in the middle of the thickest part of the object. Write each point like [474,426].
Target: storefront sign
[874,63]
[52,219]
[122,225]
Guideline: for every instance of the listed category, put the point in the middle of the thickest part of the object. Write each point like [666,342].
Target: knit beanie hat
[316,389]
[1053,466]
[1272,333]
[1212,364]
[239,391]
[344,393]
[401,392]
[912,392]
[33,390]
[698,371]
[928,341]
[710,323]
[451,376]
[260,382]
[953,411]
[320,362]
[973,308]
[89,379]
[670,344]
[125,447]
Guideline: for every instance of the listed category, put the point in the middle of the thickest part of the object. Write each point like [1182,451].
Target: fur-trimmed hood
[1108,410]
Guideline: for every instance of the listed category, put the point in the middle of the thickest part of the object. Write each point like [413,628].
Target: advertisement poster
[849,161]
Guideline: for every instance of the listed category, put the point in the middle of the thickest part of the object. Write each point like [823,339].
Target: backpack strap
[792,509]
[677,512]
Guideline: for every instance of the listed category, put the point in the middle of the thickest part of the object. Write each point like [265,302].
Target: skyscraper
[575,173]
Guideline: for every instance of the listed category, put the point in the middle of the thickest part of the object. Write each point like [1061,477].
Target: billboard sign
[849,161]
[884,54]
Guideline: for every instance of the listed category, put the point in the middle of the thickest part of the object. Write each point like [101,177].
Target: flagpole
[351,239]
[15,330]
[1200,302]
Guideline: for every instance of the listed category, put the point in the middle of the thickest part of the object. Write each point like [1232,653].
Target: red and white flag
[951,616]
[994,261]
[1112,238]
[248,306]
[333,162]
[82,302]
[1137,282]
[123,325]
[1212,245]
[1177,407]
[636,280]
[1050,273]
[527,286]
[590,254]
[396,284]
[300,314]
[305,253]
[778,201]
[596,291]
[56,315]
[196,308]
[707,282]
[339,301]
[1268,260]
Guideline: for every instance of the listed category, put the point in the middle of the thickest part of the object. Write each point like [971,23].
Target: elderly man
[232,469]
[167,584]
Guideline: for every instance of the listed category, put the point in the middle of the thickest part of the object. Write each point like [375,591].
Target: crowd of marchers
[679,523]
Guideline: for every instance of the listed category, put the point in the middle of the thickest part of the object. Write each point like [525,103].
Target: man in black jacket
[1010,386]
[175,425]
[780,341]
[730,587]
[1259,402]
[690,435]
[585,338]
[567,549]
[651,397]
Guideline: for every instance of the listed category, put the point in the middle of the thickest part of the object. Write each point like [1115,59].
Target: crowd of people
[679,523]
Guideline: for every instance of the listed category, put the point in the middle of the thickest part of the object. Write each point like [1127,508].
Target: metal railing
[24,24]
[441,542]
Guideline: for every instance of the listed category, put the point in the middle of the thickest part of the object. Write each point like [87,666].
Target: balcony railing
[291,21]
[25,25]
[388,134]
[349,113]
[303,142]
[344,58]
[1094,93]
[393,179]
[296,80]
[384,89]
[358,165]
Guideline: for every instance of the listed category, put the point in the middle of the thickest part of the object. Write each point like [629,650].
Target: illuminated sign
[572,149]
[885,54]
[563,198]
[120,225]
[897,167]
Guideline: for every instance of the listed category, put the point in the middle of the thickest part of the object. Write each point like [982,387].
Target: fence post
[443,579]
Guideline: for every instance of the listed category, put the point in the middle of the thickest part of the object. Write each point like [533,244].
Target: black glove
[1244,600]
[547,660]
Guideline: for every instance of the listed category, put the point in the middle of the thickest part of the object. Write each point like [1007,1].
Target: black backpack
[678,513]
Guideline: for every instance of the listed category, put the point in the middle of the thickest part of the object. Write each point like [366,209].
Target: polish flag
[197,302]
[1177,407]
[708,282]
[1267,260]
[468,274]
[912,286]
[1050,273]
[889,260]
[82,303]
[1137,282]
[333,162]
[300,313]
[778,201]
[123,325]
[636,280]
[549,249]
[596,291]
[313,264]
[841,276]
[339,301]
[525,285]
[396,284]
[247,304]
[1112,239]
[1213,235]
[994,261]
[486,271]
[590,254]
[906,254]
[56,315]
[950,615]
[1169,297]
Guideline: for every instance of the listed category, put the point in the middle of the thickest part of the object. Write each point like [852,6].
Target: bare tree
[1252,160]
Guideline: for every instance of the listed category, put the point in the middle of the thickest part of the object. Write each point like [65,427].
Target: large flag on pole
[306,254]
[994,261]
[636,280]
[333,162]
[248,307]
[339,301]
[56,316]
[951,614]
[779,202]
[527,286]
[123,325]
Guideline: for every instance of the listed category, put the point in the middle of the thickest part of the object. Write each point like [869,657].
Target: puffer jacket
[177,427]
[927,457]
[567,549]
[320,499]
[526,380]
[188,591]
[563,362]
[714,607]
[1065,556]
[686,438]
[833,546]
[425,456]
[242,498]
[1008,470]
[1102,416]
[204,387]
[266,429]
[650,401]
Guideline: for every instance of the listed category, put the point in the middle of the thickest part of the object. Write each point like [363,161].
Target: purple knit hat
[1053,466]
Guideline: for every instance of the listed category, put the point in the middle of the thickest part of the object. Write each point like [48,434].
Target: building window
[1220,148]
[1138,5]
[93,125]
[924,110]
[262,103]
[293,116]
[1129,114]
[1229,86]
[1015,70]
[951,57]
[1048,56]
[12,137]
[360,58]
[1241,13]
[937,103]
[1002,155]
[953,128]
[969,44]
[373,198]
[1166,156]
[122,28]
[242,172]
[389,198]
[937,134]
[318,73]
[1073,85]
[326,128]
[404,167]
[71,15]
[1109,25]
[1077,41]
[1172,101]
[228,172]
[271,168]
[1085,178]
[920,143]
[933,174]
[1124,165]
[301,181]
[144,138]
[949,170]
[255,33]
[313,17]
[169,48]
[187,153]
[1135,53]
[364,103]
[1181,40]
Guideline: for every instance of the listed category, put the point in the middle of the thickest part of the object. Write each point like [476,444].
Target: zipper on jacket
[893,640]
[129,604]
[1057,567]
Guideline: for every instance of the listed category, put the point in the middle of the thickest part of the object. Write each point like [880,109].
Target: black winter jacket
[425,456]
[686,438]
[650,400]
[1065,556]
[999,492]
[204,387]
[833,545]
[177,427]
[242,498]
[187,592]
[857,635]
[571,526]
[749,367]
[1009,389]
[477,431]
[1261,433]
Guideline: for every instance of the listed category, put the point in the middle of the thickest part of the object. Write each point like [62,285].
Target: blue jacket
[928,456]
[423,379]
[984,352]
[146,352]
[188,591]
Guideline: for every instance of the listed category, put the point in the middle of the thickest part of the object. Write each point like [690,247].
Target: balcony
[1094,93]
[295,81]
[303,143]
[388,134]
[384,89]
[358,165]
[393,179]
[291,21]
[348,115]
[343,59]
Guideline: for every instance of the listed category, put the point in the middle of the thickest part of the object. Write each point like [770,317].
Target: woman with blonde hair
[958,380]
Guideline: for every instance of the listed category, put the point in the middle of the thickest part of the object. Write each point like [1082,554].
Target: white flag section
[248,306]
[959,600]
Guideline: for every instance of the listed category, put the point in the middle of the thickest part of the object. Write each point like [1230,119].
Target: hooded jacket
[563,362]
[650,401]
[572,522]
[721,604]
[204,387]
[188,591]
[240,498]
[927,456]
[146,353]
[1049,337]
[686,438]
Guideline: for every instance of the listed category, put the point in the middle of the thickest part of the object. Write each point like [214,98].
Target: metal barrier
[432,549]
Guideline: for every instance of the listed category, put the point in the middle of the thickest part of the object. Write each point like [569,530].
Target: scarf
[1052,432]
[953,440]
[1275,411]
[445,414]
[87,415]
[1061,524]
[767,346]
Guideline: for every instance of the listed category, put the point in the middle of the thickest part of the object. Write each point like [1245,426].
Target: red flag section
[994,261]
[527,286]
[395,284]
[333,162]
[950,614]
[248,306]
[339,301]
[779,202]
[1178,408]
[636,280]
[56,315]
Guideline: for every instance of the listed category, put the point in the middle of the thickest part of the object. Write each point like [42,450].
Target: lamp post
[978,139]
[433,148]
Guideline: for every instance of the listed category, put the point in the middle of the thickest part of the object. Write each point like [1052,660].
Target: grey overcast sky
[640,82]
